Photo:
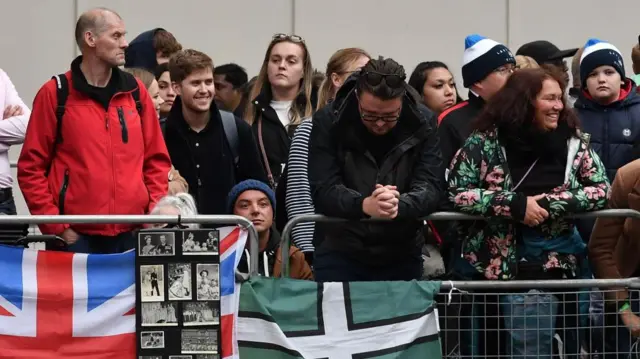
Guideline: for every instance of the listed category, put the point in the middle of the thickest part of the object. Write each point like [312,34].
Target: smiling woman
[525,167]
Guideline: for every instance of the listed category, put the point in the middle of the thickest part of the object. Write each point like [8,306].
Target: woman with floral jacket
[524,168]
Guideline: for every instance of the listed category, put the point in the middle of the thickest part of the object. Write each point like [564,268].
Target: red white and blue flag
[64,305]
[231,248]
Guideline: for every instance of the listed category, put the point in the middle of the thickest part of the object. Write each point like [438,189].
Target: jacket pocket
[123,125]
[63,191]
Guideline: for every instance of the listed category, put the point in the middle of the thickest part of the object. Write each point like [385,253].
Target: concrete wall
[37,35]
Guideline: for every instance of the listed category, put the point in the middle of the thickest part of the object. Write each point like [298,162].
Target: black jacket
[454,126]
[343,173]
[211,198]
[276,138]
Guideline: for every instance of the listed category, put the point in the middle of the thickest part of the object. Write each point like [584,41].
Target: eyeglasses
[374,78]
[376,118]
[504,70]
[285,37]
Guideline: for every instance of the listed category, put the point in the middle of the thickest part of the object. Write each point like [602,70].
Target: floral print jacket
[480,184]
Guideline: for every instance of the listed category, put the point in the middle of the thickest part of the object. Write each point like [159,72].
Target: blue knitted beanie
[247,185]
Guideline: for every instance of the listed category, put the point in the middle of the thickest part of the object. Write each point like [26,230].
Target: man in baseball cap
[545,52]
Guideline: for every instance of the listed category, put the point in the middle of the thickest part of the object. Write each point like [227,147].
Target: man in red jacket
[109,156]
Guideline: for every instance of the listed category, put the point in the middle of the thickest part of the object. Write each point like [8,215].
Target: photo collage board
[178,294]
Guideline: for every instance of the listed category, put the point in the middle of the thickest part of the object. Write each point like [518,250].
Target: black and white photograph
[153,244]
[152,283]
[200,313]
[159,314]
[152,340]
[200,242]
[180,281]
[180,356]
[208,282]
[196,341]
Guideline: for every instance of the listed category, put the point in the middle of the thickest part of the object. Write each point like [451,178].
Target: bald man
[101,152]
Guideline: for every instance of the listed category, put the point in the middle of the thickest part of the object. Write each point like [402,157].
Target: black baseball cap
[543,51]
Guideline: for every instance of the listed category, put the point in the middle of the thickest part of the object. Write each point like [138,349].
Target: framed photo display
[178,294]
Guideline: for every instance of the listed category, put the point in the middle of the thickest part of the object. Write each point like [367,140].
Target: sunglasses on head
[285,37]
[374,78]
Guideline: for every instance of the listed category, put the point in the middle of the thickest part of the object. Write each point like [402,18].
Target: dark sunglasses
[374,78]
[285,37]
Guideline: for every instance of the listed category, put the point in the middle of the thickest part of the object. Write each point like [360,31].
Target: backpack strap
[62,92]
[231,132]
[136,98]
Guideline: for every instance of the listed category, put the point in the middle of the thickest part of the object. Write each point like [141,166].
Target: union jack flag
[58,305]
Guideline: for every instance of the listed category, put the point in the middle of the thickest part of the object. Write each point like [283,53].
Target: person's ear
[177,88]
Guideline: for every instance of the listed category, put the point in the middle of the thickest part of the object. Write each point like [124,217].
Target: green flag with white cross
[287,318]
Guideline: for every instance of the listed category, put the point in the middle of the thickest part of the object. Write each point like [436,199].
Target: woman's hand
[535,214]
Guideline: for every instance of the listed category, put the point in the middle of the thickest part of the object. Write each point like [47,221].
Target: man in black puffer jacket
[374,153]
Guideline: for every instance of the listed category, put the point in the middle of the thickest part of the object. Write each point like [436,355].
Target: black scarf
[531,142]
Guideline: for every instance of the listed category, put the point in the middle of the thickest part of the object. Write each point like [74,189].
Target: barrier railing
[523,318]
[149,219]
[438,216]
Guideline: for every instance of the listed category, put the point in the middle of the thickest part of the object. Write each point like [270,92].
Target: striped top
[298,196]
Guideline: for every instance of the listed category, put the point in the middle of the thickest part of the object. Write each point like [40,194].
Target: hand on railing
[70,236]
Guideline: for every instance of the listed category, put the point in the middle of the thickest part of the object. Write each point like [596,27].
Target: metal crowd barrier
[149,219]
[438,216]
[524,318]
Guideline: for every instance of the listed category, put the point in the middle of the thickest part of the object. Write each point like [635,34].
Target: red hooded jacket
[110,161]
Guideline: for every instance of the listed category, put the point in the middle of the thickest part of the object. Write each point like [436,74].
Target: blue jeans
[529,320]
[104,244]
[8,207]
[335,267]
[9,233]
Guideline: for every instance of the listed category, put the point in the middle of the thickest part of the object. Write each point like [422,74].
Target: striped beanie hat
[599,53]
[481,57]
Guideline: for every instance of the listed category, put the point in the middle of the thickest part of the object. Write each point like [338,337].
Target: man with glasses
[545,52]
[487,65]
[373,155]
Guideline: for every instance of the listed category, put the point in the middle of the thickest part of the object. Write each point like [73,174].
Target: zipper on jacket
[123,124]
[63,191]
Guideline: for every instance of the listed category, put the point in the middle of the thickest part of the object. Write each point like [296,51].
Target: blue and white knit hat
[481,57]
[599,53]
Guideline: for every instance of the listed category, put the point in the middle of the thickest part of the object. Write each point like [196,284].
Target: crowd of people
[172,134]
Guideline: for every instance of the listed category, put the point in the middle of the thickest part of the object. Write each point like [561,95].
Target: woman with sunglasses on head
[524,190]
[280,99]
[293,192]
[435,83]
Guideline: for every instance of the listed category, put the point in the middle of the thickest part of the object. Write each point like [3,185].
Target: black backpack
[62,92]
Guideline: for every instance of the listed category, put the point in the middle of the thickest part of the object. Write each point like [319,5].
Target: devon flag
[287,318]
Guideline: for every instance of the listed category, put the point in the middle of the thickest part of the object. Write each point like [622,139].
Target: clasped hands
[382,203]
[534,213]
